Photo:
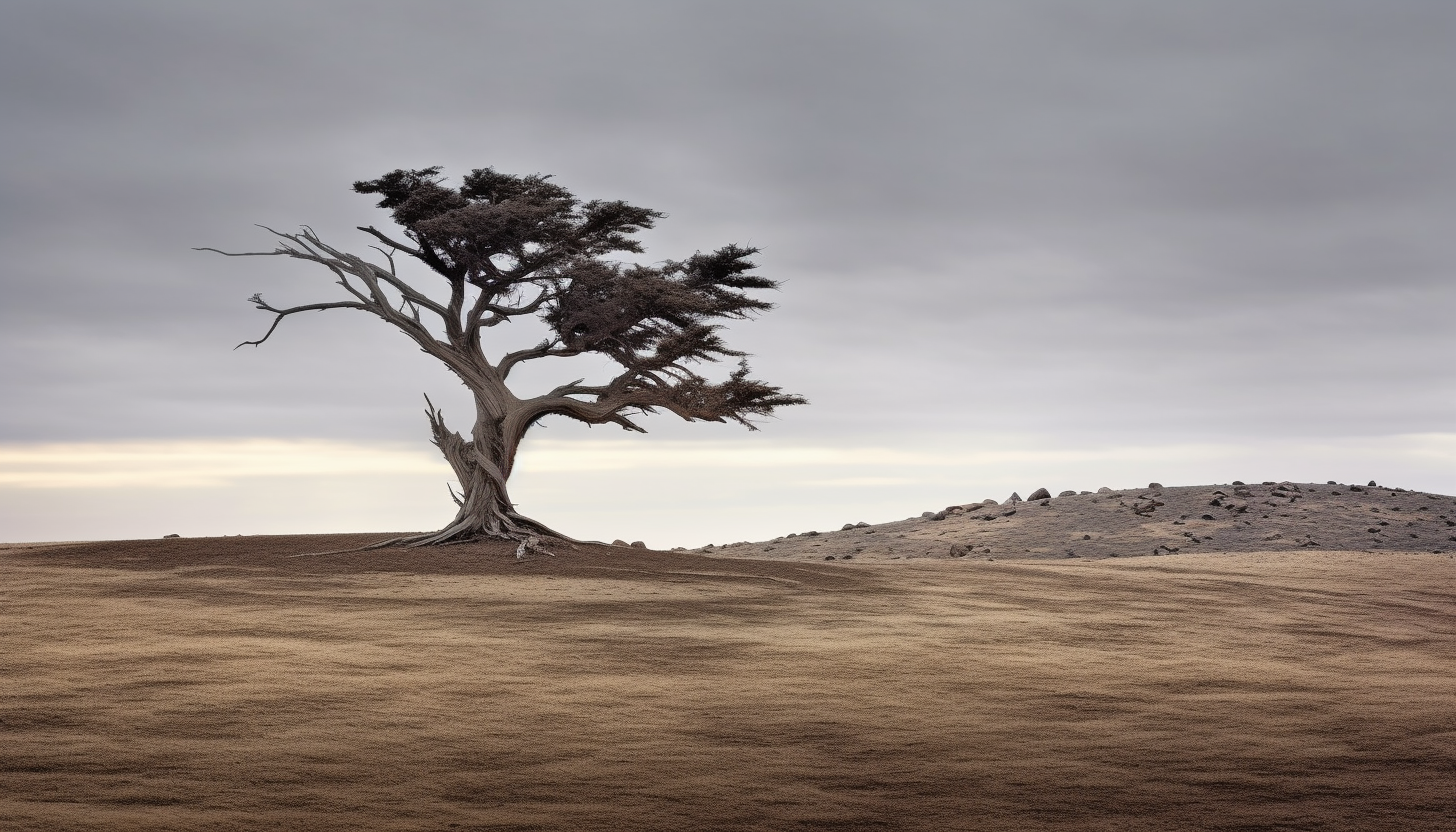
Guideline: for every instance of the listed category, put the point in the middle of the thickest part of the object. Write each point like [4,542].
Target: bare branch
[541,350]
[369,229]
[258,301]
[273,253]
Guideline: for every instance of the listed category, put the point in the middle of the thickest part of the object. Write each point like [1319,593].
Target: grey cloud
[1135,217]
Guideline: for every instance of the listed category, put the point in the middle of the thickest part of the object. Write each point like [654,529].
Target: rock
[1206,517]
[1014,498]
[1008,512]
[1372,484]
[1331,482]
[811,534]
[928,514]
[846,557]
[958,551]
[939,515]
[989,502]
[1155,485]
[1104,490]
[1357,489]
[1086,537]
[1067,494]
[167,536]
[1083,492]
[829,557]
[620,542]
[637,544]
[846,527]
[1238,482]
[1039,494]
[861,525]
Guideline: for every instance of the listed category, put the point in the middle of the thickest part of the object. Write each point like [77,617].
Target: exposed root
[529,537]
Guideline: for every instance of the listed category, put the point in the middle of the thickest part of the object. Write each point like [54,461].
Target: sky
[1023,243]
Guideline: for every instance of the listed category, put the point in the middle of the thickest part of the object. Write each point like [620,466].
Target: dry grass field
[217,684]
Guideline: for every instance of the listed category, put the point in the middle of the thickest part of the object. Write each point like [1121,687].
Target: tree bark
[482,465]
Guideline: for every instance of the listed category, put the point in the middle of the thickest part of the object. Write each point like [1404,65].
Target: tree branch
[283,313]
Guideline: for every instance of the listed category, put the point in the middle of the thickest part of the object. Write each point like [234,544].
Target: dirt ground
[220,684]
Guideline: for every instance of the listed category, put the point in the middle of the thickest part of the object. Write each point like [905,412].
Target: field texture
[219,684]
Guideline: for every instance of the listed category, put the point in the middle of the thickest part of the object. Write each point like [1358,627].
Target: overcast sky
[1023,243]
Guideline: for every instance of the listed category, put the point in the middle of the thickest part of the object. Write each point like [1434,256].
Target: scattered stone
[1039,494]
[1069,494]
[168,536]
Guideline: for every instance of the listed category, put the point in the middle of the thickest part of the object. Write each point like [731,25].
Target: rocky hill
[1236,517]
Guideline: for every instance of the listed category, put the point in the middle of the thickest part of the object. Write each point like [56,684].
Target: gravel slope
[1143,522]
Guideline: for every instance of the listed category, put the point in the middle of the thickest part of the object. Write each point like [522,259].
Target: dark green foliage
[531,247]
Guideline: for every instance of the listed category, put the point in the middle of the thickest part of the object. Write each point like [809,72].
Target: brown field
[216,684]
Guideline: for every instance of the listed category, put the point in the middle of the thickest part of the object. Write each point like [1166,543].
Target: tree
[509,246]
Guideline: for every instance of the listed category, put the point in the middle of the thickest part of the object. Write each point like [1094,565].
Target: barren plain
[220,683]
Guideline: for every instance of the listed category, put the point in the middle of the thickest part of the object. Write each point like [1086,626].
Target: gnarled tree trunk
[482,466]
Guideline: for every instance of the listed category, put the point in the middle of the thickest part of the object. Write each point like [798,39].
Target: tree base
[515,528]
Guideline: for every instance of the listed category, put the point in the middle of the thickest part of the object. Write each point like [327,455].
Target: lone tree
[508,246]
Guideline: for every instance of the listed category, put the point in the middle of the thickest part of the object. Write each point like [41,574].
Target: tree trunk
[482,466]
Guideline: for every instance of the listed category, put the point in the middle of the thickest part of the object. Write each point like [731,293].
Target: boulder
[1067,494]
[167,536]
[1039,494]
[620,542]
[1013,499]
[637,544]
[1155,485]
[1104,490]
[846,527]
[957,550]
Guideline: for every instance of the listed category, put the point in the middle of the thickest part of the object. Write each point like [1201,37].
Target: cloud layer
[1122,224]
